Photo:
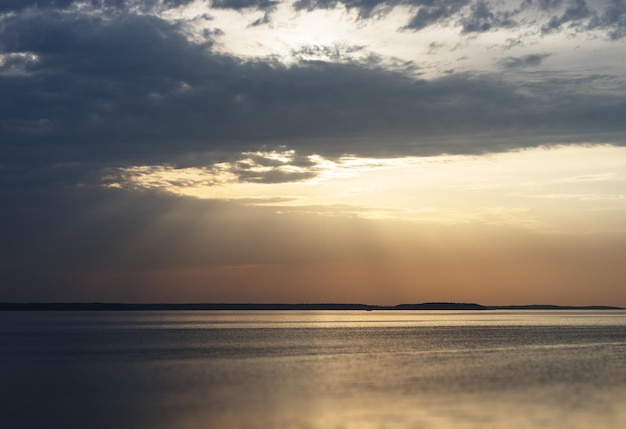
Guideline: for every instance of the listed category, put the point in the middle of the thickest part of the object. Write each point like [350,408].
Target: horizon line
[432,305]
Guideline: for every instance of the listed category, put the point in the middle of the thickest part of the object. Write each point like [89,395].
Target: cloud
[20,5]
[542,4]
[575,11]
[134,90]
[482,18]
[365,8]
[479,16]
[268,167]
[430,13]
[264,5]
[613,20]
[335,53]
[532,60]
[125,5]
[265,19]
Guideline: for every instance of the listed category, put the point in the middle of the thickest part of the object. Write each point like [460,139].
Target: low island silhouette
[99,306]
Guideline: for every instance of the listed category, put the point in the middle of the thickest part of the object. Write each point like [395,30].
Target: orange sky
[264,257]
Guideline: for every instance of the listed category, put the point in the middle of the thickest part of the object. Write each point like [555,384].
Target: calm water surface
[313,369]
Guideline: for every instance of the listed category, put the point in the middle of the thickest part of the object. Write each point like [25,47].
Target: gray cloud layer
[125,88]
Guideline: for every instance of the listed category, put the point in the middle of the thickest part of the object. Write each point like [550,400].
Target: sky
[348,151]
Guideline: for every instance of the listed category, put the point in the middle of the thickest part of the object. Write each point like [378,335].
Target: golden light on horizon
[540,225]
[553,189]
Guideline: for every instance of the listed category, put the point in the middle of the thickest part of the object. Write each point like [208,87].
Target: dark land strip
[97,306]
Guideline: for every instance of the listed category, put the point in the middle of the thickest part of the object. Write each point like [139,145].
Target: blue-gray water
[326,369]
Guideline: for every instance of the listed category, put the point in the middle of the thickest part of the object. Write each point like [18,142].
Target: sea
[313,369]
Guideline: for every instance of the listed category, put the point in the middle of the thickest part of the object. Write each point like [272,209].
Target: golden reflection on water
[381,318]
[309,369]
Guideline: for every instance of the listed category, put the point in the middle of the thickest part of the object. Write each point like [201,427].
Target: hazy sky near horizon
[366,151]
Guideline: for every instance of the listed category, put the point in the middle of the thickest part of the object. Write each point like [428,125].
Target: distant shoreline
[96,306]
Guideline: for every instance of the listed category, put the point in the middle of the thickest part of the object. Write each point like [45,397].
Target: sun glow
[545,189]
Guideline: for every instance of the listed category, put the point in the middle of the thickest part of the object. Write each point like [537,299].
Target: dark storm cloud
[134,90]
[92,90]
[96,81]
